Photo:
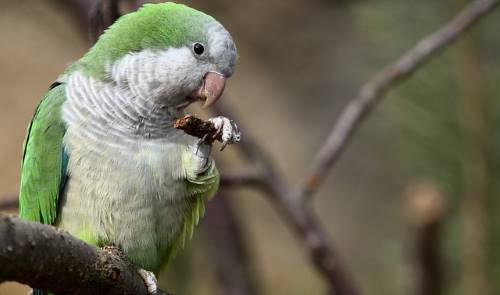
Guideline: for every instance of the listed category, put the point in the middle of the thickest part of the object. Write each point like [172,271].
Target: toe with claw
[150,281]
[228,128]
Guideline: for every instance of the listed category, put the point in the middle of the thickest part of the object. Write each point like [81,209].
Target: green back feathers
[154,26]
[43,171]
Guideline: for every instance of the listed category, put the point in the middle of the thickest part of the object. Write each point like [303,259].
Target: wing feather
[43,171]
[200,188]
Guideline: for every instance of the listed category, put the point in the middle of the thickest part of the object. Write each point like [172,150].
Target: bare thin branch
[247,177]
[375,89]
[295,212]
[293,205]
[18,235]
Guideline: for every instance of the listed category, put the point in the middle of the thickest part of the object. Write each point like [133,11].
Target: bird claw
[148,277]
[217,133]
[229,129]
[149,280]
[201,141]
[223,146]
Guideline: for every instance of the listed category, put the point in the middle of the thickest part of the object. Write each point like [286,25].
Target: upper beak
[211,88]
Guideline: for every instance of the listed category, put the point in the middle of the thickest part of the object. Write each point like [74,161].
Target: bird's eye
[198,48]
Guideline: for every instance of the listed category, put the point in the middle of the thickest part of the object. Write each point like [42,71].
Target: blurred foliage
[311,55]
[435,129]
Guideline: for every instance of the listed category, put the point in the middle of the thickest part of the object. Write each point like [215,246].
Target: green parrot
[101,158]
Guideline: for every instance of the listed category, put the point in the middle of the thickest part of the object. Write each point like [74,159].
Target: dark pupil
[198,48]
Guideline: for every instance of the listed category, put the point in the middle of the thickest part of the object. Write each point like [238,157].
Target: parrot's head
[168,53]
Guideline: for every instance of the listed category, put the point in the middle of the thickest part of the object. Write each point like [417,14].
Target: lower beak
[211,88]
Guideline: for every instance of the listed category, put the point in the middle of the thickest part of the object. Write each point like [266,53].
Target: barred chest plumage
[124,170]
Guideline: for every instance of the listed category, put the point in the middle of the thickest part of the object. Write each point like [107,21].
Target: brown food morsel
[197,127]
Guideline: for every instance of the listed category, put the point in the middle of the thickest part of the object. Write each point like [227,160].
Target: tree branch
[9,202]
[85,269]
[43,257]
[18,236]
[292,204]
[296,213]
[248,177]
[375,89]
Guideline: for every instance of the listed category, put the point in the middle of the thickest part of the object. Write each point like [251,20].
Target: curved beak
[211,88]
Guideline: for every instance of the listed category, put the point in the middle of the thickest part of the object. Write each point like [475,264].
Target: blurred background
[422,172]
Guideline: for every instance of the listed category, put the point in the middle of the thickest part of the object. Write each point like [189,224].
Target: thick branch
[43,257]
[374,90]
[290,203]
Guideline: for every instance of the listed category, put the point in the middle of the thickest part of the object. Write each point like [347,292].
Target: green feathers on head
[154,26]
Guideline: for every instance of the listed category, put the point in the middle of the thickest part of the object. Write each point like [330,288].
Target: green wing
[199,188]
[43,171]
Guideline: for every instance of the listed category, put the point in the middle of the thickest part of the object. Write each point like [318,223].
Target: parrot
[101,158]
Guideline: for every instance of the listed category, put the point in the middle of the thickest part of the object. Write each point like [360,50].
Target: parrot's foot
[229,129]
[202,153]
[148,277]
[150,281]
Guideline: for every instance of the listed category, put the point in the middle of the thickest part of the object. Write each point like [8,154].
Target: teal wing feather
[43,172]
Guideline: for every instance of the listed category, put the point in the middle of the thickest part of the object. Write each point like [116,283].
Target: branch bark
[293,204]
[9,202]
[43,257]
[72,255]
[375,89]
[295,212]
